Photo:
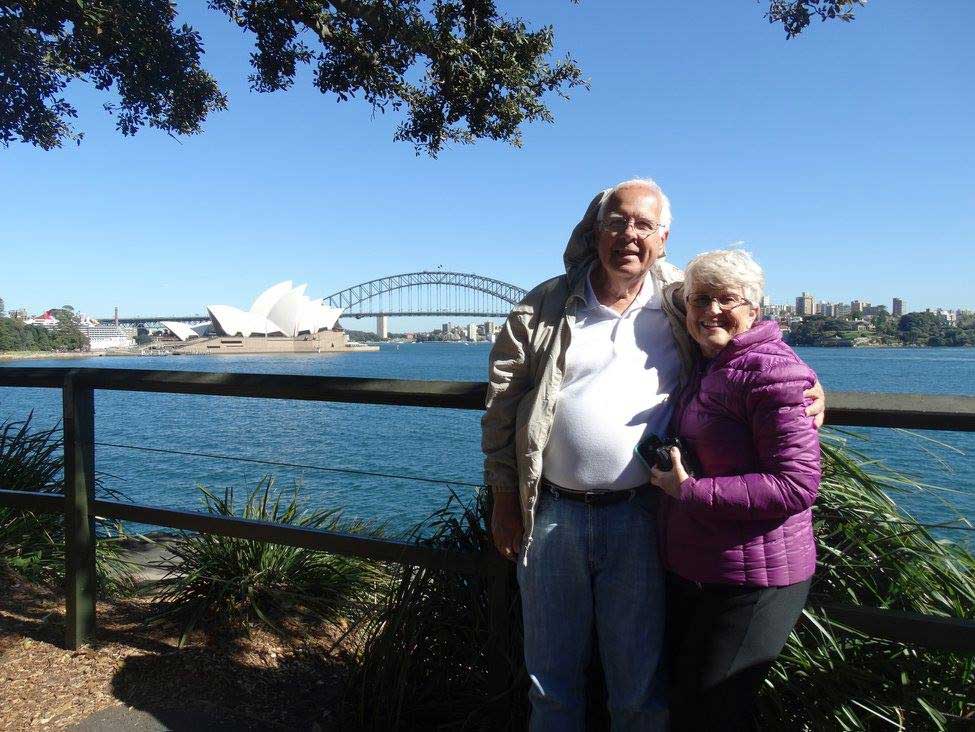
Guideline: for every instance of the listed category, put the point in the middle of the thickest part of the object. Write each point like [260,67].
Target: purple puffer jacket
[746,520]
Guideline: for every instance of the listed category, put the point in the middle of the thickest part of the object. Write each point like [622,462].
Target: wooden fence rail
[79,505]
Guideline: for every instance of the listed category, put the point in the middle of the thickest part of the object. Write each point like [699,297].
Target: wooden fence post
[79,522]
[499,576]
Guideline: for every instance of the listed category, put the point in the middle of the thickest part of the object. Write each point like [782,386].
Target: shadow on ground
[294,691]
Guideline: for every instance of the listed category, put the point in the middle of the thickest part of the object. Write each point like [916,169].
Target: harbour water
[430,443]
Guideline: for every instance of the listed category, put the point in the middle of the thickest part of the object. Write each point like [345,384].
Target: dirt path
[258,681]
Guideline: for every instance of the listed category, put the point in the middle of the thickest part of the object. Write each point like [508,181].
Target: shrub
[829,677]
[32,543]
[230,584]
[426,660]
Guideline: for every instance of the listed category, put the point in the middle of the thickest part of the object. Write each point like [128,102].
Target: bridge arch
[426,295]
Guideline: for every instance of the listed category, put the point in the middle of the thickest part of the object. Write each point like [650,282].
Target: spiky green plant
[426,661]
[829,677]
[223,583]
[32,543]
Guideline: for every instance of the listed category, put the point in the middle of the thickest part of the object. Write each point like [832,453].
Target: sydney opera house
[282,319]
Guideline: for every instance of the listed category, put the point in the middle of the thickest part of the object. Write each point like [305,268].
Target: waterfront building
[282,319]
[768,309]
[805,305]
[841,310]
[44,320]
[897,307]
[472,332]
[184,331]
[102,337]
[3,311]
[281,310]
[858,306]
[382,327]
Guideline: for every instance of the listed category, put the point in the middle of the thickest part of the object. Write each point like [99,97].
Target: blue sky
[844,159]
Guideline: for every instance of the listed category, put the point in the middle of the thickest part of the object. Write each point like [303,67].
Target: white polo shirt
[620,370]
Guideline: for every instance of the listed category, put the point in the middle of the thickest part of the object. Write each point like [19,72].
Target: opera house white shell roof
[281,310]
[183,331]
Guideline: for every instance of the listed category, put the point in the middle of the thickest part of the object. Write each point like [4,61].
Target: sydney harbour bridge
[413,294]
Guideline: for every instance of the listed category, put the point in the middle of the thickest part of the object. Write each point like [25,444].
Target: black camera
[655,452]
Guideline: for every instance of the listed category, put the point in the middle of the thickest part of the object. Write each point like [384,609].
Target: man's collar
[647,297]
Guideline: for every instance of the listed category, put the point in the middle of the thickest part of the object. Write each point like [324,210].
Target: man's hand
[506,525]
[817,409]
[669,481]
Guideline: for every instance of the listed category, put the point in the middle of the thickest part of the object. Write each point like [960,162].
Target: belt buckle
[591,497]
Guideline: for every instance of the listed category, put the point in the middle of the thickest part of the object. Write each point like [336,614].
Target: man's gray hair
[730,268]
[648,183]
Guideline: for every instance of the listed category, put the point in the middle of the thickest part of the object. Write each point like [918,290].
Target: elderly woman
[737,535]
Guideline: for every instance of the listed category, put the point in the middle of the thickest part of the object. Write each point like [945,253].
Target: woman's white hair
[726,268]
[648,183]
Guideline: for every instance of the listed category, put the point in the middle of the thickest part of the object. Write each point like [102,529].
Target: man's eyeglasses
[619,224]
[725,302]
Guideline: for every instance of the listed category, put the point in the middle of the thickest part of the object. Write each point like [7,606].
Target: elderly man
[582,370]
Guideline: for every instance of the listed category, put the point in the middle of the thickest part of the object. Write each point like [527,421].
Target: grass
[227,584]
[32,543]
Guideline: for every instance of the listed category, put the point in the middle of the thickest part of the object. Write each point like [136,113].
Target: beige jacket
[527,365]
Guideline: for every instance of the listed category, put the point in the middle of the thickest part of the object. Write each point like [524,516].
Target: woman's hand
[669,481]
[816,408]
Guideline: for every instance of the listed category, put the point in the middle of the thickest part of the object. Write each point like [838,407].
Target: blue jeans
[594,567]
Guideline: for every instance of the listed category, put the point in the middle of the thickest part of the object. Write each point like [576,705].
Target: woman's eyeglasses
[725,302]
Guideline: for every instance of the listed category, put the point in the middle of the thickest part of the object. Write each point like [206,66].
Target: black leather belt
[590,498]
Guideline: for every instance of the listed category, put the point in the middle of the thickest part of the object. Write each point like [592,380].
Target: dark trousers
[722,641]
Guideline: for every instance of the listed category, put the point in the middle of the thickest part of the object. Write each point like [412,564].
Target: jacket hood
[580,252]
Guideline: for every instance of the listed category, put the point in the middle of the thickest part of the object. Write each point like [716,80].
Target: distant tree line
[16,335]
[913,329]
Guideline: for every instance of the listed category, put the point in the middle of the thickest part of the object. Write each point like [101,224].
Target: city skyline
[202,310]
[400,324]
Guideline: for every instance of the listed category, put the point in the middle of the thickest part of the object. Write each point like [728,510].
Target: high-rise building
[472,331]
[858,306]
[445,328]
[382,327]
[3,311]
[805,305]
[897,309]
